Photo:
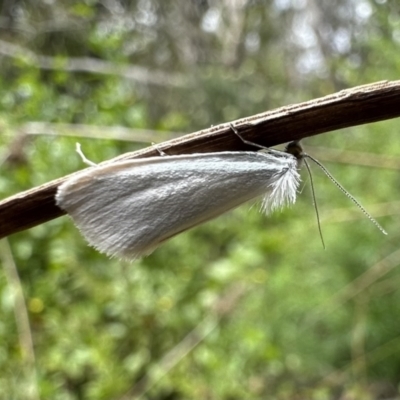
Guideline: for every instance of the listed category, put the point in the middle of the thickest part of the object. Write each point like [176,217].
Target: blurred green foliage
[245,306]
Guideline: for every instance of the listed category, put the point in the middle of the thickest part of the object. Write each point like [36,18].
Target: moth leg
[235,131]
[83,157]
[267,149]
[160,152]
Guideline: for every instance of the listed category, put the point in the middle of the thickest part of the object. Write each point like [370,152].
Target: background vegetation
[245,306]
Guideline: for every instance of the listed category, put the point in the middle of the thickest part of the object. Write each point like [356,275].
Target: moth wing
[128,208]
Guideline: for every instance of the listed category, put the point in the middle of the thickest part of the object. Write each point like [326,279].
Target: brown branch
[356,106]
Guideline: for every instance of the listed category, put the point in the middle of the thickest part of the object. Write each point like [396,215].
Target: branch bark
[351,107]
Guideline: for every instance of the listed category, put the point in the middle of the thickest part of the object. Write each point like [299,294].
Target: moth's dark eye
[295,149]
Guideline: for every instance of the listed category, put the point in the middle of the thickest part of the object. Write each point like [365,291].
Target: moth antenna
[315,203]
[296,149]
[346,193]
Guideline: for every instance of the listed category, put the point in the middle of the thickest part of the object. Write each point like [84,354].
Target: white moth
[128,208]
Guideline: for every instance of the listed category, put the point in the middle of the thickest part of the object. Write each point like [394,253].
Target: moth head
[296,149]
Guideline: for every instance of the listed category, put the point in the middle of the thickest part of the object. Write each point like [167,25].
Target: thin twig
[92,65]
[21,318]
[224,306]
